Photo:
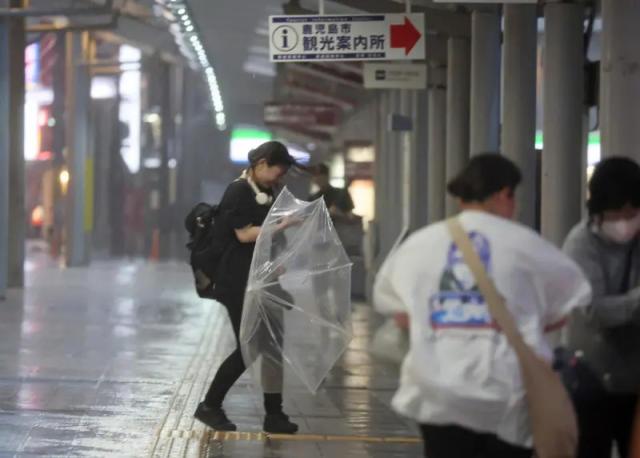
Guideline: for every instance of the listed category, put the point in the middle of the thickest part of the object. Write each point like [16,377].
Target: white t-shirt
[459,369]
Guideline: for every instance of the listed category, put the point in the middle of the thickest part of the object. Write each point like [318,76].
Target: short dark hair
[615,182]
[483,176]
[273,152]
[321,169]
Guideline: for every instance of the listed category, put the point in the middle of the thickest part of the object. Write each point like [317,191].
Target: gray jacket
[607,333]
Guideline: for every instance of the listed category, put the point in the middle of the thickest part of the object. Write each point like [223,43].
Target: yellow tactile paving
[254,436]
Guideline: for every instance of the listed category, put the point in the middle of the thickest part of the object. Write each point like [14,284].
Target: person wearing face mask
[242,211]
[604,339]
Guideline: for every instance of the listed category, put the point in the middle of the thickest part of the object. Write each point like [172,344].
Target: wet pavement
[111,362]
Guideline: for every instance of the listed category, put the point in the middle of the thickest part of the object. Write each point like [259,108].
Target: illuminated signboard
[31,65]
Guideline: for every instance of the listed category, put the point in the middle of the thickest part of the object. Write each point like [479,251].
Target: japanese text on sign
[392,36]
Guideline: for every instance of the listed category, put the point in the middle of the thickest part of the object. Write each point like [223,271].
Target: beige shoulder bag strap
[551,414]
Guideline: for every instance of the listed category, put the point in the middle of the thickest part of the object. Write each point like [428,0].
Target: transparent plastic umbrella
[297,309]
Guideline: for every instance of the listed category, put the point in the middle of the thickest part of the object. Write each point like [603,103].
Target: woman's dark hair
[615,183]
[273,152]
[483,176]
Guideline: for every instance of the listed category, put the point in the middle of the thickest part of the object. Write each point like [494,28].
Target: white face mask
[622,230]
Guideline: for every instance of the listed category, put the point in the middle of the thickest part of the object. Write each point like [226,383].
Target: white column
[458,91]
[408,174]
[77,80]
[485,82]
[5,114]
[620,78]
[562,120]
[519,102]
[437,143]
[394,164]
[12,165]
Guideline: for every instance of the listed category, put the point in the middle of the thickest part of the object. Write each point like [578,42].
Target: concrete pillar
[392,220]
[407,176]
[620,78]
[5,115]
[562,119]
[519,102]
[383,189]
[12,169]
[380,169]
[17,213]
[484,124]
[164,77]
[437,142]
[77,117]
[421,168]
[458,91]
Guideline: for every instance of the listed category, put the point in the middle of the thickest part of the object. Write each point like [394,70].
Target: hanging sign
[395,76]
[359,37]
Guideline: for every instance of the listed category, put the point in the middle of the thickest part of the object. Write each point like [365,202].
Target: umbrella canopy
[297,310]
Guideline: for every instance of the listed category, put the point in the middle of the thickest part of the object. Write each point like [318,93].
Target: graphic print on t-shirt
[459,302]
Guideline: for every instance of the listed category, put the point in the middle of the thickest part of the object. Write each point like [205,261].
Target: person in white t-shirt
[460,379]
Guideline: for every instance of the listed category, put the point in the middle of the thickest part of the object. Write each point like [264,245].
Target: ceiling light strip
[189,41]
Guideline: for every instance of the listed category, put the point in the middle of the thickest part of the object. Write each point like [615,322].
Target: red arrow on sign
[404,36]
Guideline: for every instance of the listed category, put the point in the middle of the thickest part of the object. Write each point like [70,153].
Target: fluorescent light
[103,87]
[191,46]
[42,96]
[152,118]
[129,54]
[244,140]
[31,129]
[130,110]
[152,163]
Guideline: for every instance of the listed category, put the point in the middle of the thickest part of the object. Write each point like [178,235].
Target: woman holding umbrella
[243,209]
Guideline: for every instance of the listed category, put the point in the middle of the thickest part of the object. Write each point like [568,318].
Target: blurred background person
[605,337]
[461,380]
[338,200]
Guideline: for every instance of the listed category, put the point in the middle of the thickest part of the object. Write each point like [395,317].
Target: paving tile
[93,363]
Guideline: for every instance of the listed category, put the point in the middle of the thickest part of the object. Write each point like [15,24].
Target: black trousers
[603,420]
[234,366]
[450,441]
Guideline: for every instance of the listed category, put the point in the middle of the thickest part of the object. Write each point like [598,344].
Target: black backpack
[205,246]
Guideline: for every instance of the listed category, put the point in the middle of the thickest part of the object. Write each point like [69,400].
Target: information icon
[285,38]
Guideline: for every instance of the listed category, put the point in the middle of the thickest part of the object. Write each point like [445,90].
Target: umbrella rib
[258,285]
[300,241]
[313,317]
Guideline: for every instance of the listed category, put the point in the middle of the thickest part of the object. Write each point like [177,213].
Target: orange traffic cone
[155,245]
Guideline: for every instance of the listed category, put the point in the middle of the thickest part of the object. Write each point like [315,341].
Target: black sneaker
[214,418]
[278,423]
